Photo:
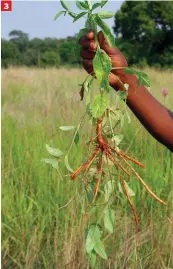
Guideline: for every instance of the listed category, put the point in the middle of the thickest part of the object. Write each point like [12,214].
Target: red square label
[6,5]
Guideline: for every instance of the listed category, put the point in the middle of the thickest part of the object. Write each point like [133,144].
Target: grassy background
[36,231]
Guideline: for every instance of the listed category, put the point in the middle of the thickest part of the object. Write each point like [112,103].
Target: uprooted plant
[98,166]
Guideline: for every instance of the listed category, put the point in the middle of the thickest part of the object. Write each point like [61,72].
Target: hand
[117,58]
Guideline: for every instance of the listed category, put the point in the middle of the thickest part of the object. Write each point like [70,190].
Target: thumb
[104,43]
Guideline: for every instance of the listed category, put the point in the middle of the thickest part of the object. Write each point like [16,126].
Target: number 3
[6,6]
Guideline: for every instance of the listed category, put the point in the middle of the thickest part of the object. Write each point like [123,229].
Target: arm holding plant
[156,118]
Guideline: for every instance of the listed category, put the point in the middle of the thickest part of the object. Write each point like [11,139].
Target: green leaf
[55,165]
[128,116]
[88,2]
[91,23]
[96,5]
[92,238]
[58,14]
[122,120]
[117,138]
[105,84]
[54,151]
[76,138]
[109,219]
[131,192]
[108,189]
[129,70]
[49,161]
[67,164]
[80,15]
[72,14]
[100,250]
[63,4]
[88,24]
[67,128]
[105,14]
[106,31]
[143,79]
[53,162]
[81,33]
[122,94]
[81,5]
[102,66]
[98,67]
[103,3]
[106,61]
[92,259]
[99,105]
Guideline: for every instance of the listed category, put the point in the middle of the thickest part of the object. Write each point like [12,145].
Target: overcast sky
[36,19]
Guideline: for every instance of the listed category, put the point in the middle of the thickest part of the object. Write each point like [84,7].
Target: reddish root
[86,164]
[96,190]
[99,170]
[104,148]
[117,163]
[144,184]
[93,157]
[130,202]
[127,157]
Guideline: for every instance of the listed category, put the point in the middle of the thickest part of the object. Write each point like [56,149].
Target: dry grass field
[37,232]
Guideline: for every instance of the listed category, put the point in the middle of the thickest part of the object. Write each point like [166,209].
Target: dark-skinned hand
[88,51]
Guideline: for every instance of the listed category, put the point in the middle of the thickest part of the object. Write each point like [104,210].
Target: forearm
[154,117]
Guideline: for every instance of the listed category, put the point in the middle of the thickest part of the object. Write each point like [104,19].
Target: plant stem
[77,129]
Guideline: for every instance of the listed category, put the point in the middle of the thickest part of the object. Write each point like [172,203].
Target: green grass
[36,231]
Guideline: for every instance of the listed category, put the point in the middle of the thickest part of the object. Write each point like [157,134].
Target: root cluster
[117,158]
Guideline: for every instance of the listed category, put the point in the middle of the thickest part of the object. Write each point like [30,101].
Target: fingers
[88,41]
[87,64]
[88,51]
[90,35]
[87,54]
[89,44]
[105,45]
[103,42]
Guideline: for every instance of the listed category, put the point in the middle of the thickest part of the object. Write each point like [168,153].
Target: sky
[36,19]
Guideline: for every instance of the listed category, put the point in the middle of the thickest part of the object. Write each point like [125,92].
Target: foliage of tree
[10,54]
[50,58]
[20,50]
[146,29]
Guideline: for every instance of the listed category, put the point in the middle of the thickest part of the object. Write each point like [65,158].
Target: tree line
[20,50]
[143,32]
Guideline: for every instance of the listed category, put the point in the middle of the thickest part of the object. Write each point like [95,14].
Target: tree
[148,27]
[50,58]
[20,39]
[68,52]
[10,54]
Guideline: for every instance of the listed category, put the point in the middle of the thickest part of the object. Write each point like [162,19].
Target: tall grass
[42,221]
